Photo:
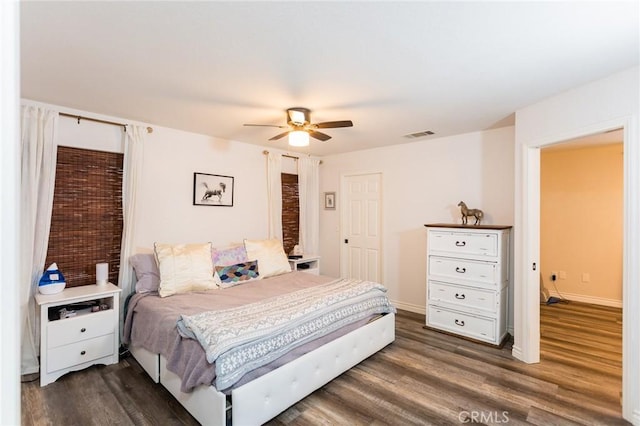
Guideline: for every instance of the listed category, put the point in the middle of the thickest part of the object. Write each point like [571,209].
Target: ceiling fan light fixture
[298,116]
[299,138]
[301,127]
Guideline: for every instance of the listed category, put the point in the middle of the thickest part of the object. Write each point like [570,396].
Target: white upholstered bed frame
[267,396]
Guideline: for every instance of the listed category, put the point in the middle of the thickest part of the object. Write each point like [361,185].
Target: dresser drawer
[463,243]
[476,272]
[465,297]
[80,352]
[460,323]
[71,330]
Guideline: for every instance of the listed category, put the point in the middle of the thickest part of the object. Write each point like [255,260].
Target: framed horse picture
[212,190]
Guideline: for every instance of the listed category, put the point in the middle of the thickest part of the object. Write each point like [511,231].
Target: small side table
[308,263]
[82,340]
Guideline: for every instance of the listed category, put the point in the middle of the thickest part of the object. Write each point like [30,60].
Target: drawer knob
[460,323]
[460,296]
[82,330]
[461,270]
[461,243]
[84,352]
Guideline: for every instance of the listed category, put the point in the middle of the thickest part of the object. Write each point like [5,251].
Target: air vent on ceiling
[419,134]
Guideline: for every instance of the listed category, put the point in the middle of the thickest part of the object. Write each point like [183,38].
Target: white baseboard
[636,418]
[409,307]
[516,352]
[588,299]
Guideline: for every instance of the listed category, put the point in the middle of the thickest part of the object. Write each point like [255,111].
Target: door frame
[526,296]
[343,218]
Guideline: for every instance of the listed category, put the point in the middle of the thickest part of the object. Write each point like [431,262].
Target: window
[290,212]
[86,221]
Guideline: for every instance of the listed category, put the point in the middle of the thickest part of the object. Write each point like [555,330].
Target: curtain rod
[265,152]
[113,123]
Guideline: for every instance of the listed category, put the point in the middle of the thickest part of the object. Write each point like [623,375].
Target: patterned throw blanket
[241,339]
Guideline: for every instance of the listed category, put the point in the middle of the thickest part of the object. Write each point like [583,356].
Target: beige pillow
[270,256]
[184,268]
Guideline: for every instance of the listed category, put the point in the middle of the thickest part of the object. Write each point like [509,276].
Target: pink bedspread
[151,323]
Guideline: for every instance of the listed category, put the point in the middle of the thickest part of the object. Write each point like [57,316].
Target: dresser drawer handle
[461,270]
[82,330]
[460,323]
[461,243]
[84,352]
[460,296]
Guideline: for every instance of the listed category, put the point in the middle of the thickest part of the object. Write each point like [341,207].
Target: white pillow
[184,268]
[270,256]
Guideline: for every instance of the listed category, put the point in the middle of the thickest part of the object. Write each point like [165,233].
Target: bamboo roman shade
[86,222]
[290,212]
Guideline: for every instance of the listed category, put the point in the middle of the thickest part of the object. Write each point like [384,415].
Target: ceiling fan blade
[266,125]
[320,136]
[280,136]
[333,124]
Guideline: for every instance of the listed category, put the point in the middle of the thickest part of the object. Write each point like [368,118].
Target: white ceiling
[393,68]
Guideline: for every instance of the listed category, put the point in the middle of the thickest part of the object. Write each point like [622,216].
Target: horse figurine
[465,211]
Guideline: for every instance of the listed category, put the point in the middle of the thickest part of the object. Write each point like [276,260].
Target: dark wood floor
[424,377]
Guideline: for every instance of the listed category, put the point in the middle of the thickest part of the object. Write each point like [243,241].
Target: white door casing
[527,313]
[361,224]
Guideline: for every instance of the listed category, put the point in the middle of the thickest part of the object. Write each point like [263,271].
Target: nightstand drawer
[80,352]
[460,243]
[461,323]
[71,330]
[465,297]
[463,270]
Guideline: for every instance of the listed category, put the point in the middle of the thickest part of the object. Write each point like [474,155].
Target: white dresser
[468,280]
[84,339]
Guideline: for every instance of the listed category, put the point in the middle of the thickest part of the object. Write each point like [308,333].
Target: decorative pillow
[270,255]
[184,268]
[147,273]
[239,273]
[229,255]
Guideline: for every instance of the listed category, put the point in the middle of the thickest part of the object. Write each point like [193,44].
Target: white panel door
[362,224]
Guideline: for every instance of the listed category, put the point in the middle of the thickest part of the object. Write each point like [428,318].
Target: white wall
[608,103]
[422,183]
[578,111]
[9,214]
[166,211]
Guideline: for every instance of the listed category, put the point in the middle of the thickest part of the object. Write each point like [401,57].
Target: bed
[163,336]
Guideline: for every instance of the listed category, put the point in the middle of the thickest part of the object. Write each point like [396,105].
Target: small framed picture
[212,190]
[329,200]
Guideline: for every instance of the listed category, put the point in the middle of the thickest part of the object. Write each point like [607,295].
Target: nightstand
[83,339]
[308,263]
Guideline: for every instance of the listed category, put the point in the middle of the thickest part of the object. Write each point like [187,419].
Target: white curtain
[38,142]
[133,157]
[309,193]
[274,194]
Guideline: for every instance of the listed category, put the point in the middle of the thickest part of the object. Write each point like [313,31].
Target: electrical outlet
[585,277]
[563,275]
[554,275]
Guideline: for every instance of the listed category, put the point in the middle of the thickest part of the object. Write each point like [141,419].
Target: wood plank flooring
[423,378]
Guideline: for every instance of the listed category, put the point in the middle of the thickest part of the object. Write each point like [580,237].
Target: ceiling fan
[299,124]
